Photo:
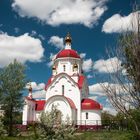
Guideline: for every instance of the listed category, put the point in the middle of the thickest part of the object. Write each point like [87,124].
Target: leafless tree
[123,86]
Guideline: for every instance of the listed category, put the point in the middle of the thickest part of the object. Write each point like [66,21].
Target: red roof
[67,53]
[71,103]
[80,81]
[40,105]
[48,83]
[89,104]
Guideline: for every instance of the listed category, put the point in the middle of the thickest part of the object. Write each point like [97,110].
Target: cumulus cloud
[36,86]
[110,65]
[110,110]
[93,97]
[57,42]
[87,65]
[38,89]
[87,12]
[96,89]
[89,76]
[33,33]
[23,48]
[39,94]
[118,23]
[82,55]
[16,29]
[52,57]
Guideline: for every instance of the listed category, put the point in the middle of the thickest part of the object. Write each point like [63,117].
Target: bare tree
[123,88]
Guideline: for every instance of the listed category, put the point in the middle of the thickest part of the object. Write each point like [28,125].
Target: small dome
[89,104]
[68,39]
[30,88]
[68,53]
[53,68]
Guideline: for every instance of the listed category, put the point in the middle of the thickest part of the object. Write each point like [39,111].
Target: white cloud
[110,110]
[89,76]
[93,97]
[39,94]
[87,65]
[57,42]
[54,12]
[118,23]
[41,37]
[38,89]
[82,55]
[96,89]
[33,33]
[110,65]
[23,48]
[52,57]
[16,30]
[36,86]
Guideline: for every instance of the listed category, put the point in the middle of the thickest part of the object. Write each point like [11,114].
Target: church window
[86,115]
[62,89]
[64,68]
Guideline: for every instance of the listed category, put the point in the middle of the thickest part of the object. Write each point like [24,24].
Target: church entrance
[65,112]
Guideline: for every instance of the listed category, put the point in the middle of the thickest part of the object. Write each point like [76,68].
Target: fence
[93,125]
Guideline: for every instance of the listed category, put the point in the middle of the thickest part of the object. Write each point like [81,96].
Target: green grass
[113,135]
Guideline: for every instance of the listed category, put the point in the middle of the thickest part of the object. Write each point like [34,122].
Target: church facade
[67,89]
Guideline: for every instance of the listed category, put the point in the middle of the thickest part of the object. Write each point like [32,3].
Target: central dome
[67,53]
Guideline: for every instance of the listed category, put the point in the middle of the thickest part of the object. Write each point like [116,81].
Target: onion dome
[67,53]
[89,104]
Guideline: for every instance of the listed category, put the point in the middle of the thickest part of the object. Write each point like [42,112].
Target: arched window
[63,89]
[86,115]
[64,68]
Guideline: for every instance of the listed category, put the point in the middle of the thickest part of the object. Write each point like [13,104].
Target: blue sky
[32,31]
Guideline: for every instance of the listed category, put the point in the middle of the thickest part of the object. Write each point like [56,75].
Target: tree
[123,89]
[51,127]
[12,82]
[106,118]
[2,129]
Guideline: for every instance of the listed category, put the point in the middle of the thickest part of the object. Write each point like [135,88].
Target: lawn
[113,135]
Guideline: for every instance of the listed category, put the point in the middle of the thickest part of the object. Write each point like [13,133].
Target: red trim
[67,53]
[80,80]
[40,105]
[71,103]
[89,104]
[50,81]
[88,127]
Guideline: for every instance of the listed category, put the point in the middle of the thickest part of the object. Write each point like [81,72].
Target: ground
[113,135]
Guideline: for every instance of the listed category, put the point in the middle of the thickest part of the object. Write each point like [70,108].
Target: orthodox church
[67,89]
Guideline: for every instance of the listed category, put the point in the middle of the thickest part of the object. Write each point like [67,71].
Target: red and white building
[67,88]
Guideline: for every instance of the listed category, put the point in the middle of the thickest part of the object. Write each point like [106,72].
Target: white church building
[66,88]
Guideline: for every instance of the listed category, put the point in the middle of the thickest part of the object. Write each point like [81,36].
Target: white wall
[94,117]
[71,91]
[68,62]
[62,105]
[28,114]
